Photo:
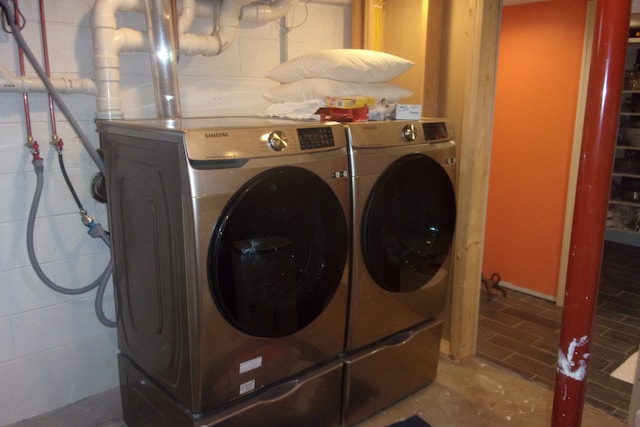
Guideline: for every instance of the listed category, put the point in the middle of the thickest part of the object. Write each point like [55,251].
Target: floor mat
[414,421]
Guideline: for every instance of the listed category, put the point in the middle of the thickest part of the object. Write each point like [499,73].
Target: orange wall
[536,93]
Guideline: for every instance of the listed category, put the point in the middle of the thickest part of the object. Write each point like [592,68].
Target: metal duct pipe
[164,64]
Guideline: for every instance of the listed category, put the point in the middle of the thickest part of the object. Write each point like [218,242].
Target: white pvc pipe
[9,82]
[107,44]
[110,41]
[187,15]
[260,12]
[215,44]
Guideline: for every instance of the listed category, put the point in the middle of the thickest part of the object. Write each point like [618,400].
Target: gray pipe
[100,283]
[17,35]
[164,65]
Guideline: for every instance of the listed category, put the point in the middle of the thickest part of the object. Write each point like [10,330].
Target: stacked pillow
[339,72]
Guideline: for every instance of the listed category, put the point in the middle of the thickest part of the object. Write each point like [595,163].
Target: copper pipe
[25,95]
[604,94]
[45,50]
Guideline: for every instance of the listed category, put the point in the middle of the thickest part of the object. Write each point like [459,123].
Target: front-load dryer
[402,176]
[230,240]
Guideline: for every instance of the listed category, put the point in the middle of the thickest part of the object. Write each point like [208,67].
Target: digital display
[320,137]
[434,131]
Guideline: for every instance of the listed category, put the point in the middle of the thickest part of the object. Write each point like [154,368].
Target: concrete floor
[481,395]
[469,394]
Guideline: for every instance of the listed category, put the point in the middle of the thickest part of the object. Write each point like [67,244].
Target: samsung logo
[216,135]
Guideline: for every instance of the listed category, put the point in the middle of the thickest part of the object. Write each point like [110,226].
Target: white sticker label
[251,364]
[248,386]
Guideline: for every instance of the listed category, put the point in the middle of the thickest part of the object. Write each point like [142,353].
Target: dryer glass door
[278,252]
[408,223]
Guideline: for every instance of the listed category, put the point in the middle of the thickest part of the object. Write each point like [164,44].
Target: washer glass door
[278,252]
[408,223]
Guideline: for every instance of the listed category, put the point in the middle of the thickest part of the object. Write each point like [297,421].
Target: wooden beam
[357,24]
[468,98]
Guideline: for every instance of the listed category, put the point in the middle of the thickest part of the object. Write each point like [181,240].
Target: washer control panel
[274,139]
[312,138]
[234,138]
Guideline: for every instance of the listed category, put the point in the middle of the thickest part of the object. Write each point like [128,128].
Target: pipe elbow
[187,15]
[259,12]
[130,40]
[194,44]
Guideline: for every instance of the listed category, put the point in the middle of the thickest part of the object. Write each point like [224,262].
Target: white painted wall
[53,350]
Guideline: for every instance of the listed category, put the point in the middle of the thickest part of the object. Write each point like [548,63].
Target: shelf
[624,215]
[624,203]
[627,147]
[623,230]
[626,175]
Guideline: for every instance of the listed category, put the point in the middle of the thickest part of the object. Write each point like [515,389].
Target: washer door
[278,252]
[408,223]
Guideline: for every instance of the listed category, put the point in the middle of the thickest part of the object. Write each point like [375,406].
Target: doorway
[535,315]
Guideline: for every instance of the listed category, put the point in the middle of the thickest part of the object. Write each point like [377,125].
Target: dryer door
[278,252]
[408,223]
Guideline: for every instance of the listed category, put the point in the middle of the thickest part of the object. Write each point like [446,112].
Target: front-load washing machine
[402,176]
[230,240]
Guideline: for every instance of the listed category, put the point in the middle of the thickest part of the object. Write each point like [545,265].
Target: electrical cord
[95,229]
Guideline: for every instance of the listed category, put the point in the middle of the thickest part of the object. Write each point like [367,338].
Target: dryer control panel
[400,133]
[432,131]
[435,131]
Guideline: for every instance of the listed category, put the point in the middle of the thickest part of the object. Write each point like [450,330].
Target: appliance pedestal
[379,375]
[310,399]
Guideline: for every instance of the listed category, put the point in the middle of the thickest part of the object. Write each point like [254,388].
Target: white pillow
[315,88]
[347,65]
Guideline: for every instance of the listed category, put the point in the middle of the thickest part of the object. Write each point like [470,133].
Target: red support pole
[604,93]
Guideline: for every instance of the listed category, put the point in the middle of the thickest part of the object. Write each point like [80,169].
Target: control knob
[409,132]
[277,140]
